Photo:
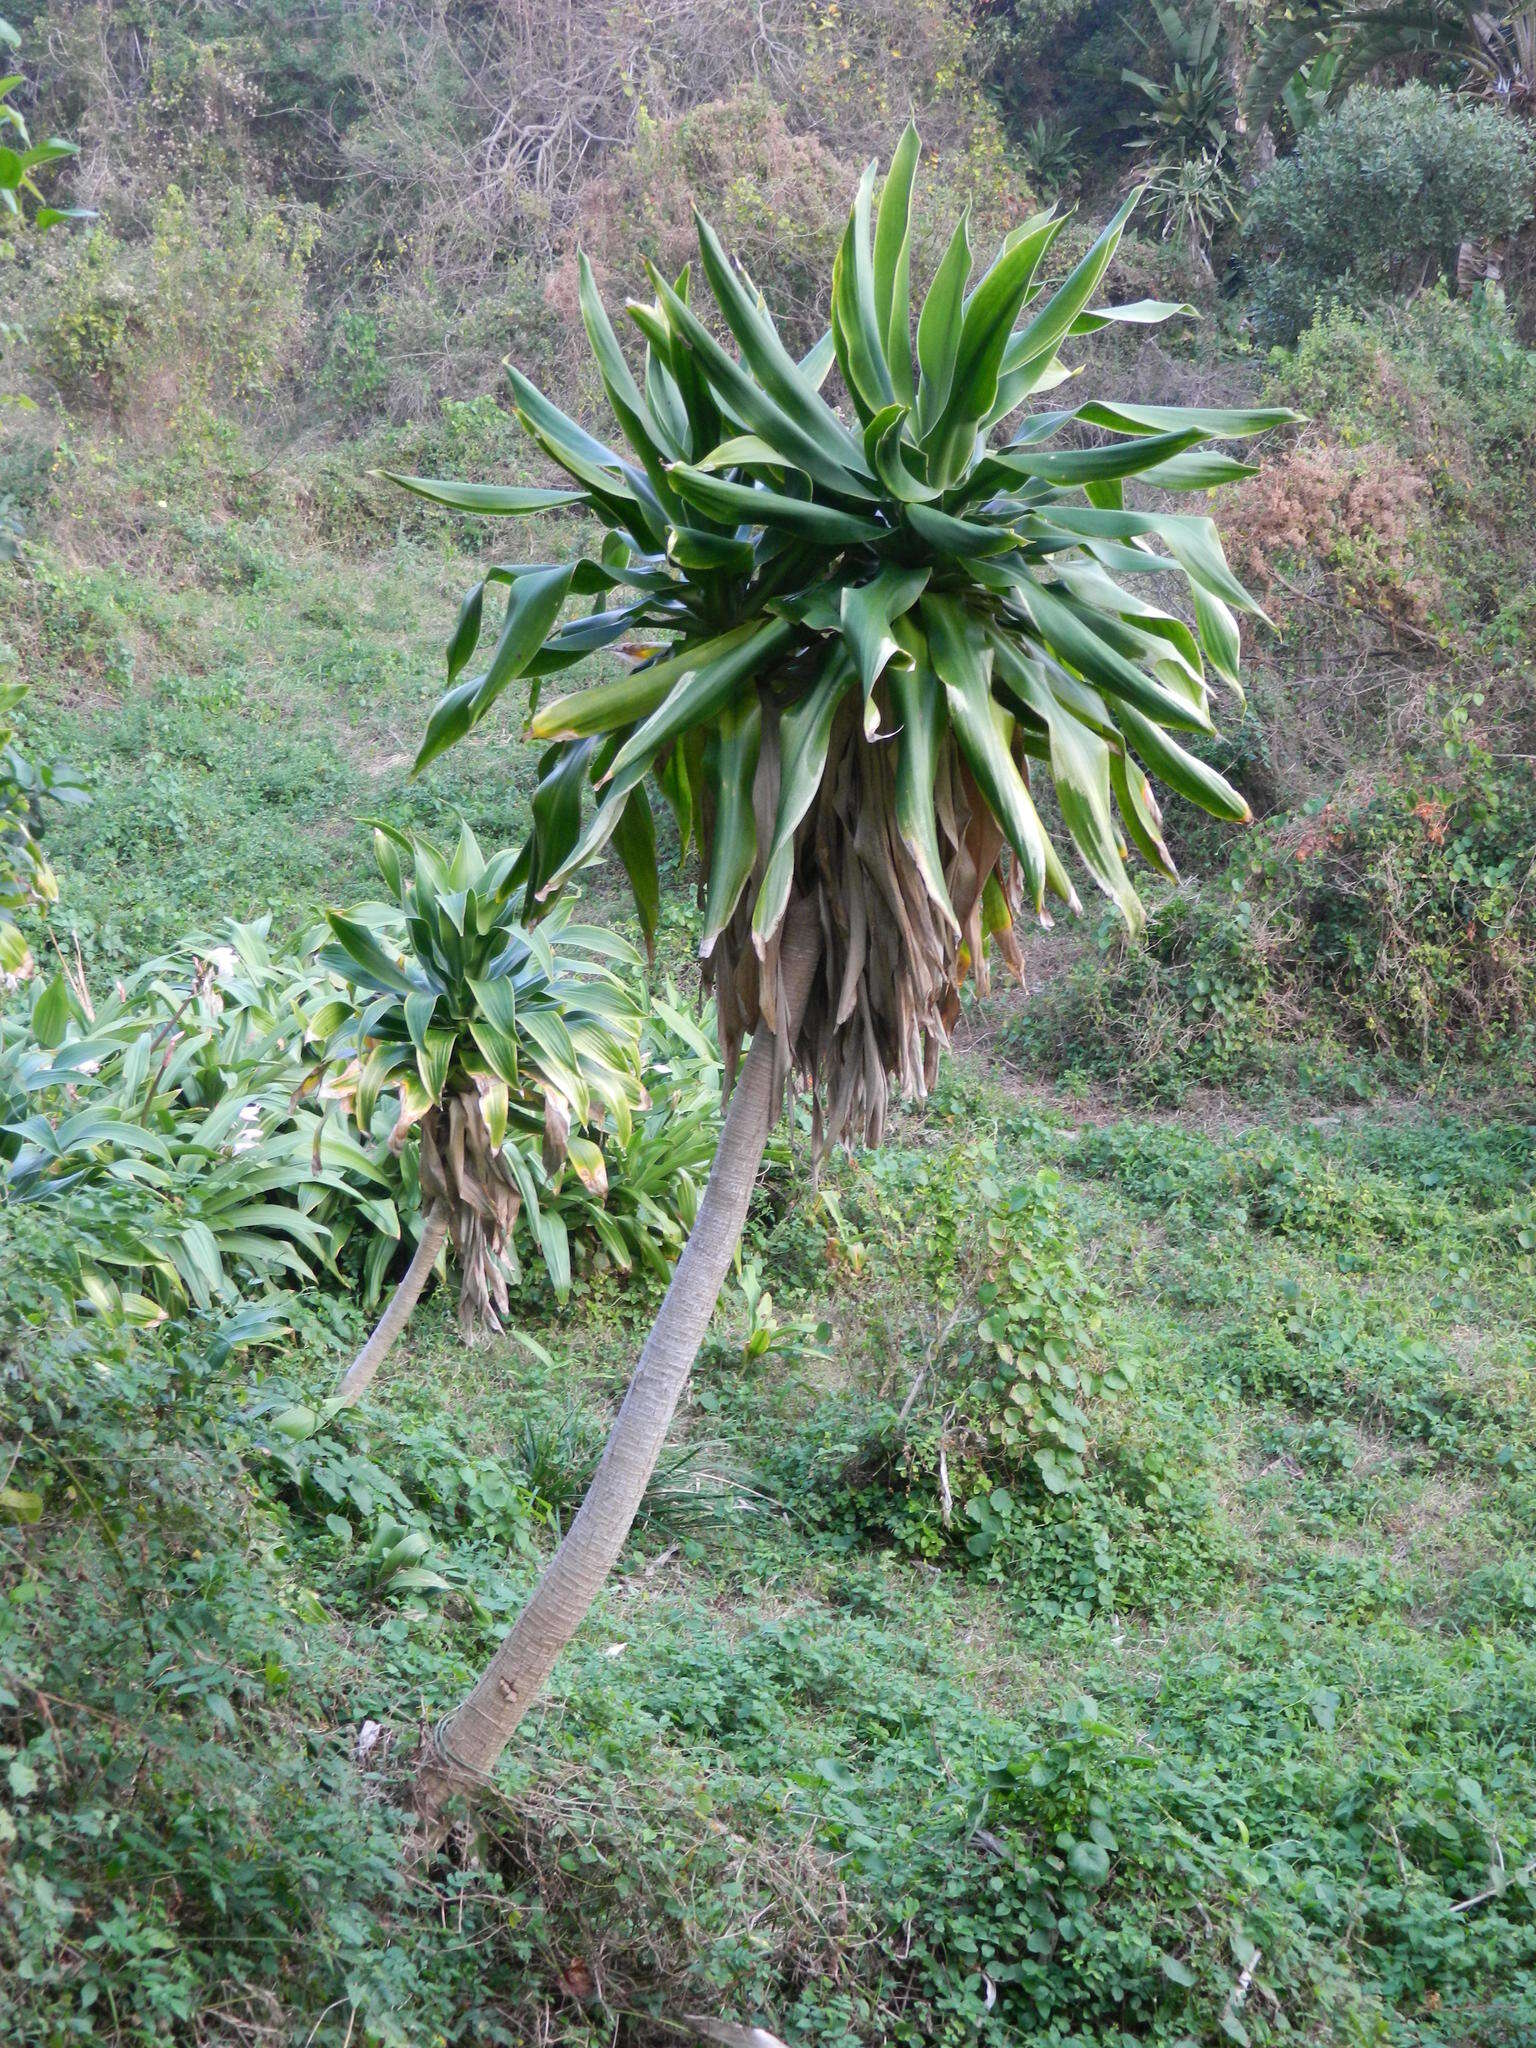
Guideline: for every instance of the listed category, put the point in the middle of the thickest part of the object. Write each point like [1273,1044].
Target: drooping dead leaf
[557,1129]
[578,1981]
[889,990]
[461,1167]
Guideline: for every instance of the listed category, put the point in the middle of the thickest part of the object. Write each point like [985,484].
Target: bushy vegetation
[1378,197]
[207,309]
[1399,926]
[1382,927]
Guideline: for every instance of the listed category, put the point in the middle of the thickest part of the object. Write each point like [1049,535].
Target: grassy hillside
[858,1742]
[1091,1595]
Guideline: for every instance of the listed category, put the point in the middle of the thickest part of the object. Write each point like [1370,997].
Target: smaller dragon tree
[504,1045]
[865,638]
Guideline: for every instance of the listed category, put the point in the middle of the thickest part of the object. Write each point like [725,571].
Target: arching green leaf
[892,264]
[533,605]
[962,661]
[805,731]
[748,503]
[634,841]
[917,701]
[490,500]
[938,326]
[731,767]
[1183,771]
[776,369]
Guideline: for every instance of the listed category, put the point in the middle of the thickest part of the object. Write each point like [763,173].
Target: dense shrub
[208,310]
[1392,539]
[1192,1005]
[1437,378]
[1400,923]
[1023,1449]
[1068,57]
[1360,513]
[1376,199]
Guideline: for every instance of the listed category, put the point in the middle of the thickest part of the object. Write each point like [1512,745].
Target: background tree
[1376,199]
[862,643]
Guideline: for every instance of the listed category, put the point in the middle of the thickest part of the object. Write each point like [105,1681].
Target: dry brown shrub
[1359,514]
[560,88]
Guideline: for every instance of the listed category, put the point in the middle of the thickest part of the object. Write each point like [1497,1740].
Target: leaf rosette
[863,639]
[507,1048]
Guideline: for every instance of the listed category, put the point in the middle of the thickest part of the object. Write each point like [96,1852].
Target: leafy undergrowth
[1389,940]
[1222,1730]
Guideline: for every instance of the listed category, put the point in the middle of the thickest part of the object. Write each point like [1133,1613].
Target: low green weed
[1016,1443]
[1387,1186]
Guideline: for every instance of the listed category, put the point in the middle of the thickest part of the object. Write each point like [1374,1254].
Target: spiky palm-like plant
[864,638]
[495,1040]
[1494,46]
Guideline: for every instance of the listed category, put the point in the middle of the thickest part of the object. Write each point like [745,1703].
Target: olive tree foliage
[1378,196]
[861,639]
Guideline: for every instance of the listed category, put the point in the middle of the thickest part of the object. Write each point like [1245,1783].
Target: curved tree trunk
[466,1746]
[359,1374]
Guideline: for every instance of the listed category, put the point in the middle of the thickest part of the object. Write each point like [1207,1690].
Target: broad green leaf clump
[486,1032]
[26,879]
[162,1129]
[860,636]
[194,1134]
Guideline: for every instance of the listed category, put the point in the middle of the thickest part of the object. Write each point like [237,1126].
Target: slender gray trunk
[464,1750]
[359,1374]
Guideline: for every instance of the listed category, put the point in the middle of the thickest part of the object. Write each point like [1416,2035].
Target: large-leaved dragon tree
[861,640]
